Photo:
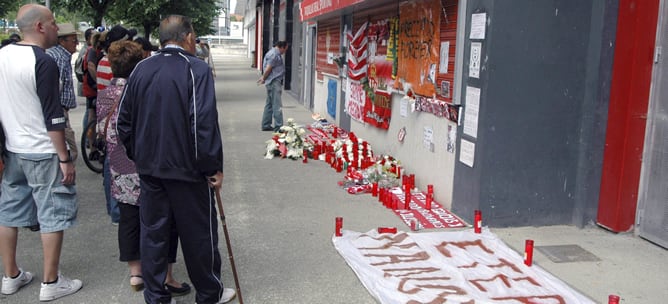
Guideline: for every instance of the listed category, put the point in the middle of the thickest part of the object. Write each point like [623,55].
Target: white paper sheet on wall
[471,111]
[467,152]
[474,62]
[478,25]
[445,57]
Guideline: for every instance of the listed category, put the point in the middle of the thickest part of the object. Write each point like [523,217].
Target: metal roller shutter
[329,41]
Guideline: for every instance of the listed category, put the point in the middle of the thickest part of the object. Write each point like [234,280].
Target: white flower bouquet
[288,142]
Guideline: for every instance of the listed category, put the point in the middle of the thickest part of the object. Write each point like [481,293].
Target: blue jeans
[112,203]
[32,193]
[274,105]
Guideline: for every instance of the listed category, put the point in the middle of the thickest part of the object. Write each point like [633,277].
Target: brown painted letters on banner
[418,43]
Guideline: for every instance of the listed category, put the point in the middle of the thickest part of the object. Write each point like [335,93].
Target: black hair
[145,44]
[88,33]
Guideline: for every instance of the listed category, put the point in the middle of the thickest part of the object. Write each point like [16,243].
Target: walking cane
[229,247]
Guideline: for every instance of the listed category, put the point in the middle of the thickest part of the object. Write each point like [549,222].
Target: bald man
[38,167]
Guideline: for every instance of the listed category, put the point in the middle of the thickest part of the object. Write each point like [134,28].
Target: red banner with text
[313,8]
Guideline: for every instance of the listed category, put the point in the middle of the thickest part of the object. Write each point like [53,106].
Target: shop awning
[312,8]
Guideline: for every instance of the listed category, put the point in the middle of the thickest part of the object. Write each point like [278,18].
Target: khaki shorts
[70,139]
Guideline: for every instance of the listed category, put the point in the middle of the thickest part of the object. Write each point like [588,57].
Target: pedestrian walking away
[273,70]
[169,110]
[38,169]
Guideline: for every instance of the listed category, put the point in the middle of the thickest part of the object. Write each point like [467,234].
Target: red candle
[339,225]
[414,225]
[477,221]
[528,252]
[430,196]
[428,200]
[613,299]
[387,198]
[374,189]
[387,230]
[335,133]
[407,196]
[305,154]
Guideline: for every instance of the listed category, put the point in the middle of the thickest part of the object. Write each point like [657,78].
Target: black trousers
[190,207]
[128,235]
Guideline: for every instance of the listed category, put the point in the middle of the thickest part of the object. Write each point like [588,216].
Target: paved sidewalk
[280,216]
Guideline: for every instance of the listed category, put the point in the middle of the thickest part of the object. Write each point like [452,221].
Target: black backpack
[78,66]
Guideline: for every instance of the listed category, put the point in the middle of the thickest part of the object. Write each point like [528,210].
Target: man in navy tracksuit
[168,123]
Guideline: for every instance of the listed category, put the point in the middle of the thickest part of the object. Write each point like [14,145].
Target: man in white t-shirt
[38,166]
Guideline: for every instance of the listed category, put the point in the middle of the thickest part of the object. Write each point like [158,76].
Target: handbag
[100,142]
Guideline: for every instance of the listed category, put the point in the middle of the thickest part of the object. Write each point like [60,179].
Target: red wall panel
[627,115]
[448,33]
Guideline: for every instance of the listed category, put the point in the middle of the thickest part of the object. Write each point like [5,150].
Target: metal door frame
[309,39]
[649,223]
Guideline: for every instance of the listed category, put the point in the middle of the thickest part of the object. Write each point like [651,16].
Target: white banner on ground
[448,267]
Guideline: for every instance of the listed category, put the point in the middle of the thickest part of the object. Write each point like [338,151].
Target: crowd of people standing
[159,192]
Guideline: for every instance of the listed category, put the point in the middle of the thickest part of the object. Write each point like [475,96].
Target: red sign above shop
[313,8]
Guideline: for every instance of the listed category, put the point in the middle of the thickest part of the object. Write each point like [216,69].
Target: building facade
[534,112]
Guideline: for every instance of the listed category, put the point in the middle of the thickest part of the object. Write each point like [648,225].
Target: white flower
[294,153]
[291,135]
[271,146]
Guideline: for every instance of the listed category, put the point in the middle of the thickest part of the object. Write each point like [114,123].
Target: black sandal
[178,291]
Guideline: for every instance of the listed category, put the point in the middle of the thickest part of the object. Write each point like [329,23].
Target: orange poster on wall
[418,44]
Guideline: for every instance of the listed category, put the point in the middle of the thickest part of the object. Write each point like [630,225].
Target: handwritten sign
[355,99]
[448,267]
[418,44]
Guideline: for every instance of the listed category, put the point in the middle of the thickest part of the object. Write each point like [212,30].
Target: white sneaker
[228,295]
[10,286]
[62,288]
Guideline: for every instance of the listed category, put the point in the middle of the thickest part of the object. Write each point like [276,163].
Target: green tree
[8,9]
[94,9]
[147,14]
